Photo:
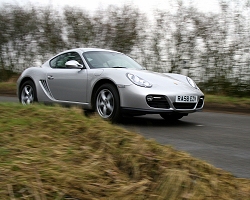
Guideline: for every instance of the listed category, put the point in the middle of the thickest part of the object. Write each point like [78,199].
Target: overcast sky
[146,6]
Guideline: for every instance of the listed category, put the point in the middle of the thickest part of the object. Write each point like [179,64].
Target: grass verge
[227,100]
[227,104]
[8,88]
[57,153]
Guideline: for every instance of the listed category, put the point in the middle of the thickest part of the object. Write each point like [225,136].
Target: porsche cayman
[109,83]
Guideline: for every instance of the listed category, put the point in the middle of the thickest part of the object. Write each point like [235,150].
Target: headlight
[192,83]
[138,81]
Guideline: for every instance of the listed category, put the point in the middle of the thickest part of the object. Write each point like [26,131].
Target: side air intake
[46,88]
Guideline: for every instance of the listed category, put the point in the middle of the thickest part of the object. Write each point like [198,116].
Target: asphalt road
[221,139]
[8,99]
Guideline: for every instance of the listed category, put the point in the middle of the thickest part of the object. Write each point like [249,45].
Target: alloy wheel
[105,103]
[27,95]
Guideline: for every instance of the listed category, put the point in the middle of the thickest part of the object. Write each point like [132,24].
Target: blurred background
[208,41]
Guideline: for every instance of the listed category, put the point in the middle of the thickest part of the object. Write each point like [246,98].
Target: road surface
[221,139]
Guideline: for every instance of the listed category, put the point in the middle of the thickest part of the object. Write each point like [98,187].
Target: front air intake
[157,101]
[201,102]
[184,105]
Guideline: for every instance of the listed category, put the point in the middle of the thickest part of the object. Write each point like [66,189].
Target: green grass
[57,153]
[227,100]
[8,85]
[8,88]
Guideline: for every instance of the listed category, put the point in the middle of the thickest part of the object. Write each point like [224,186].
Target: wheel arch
[28,78]
[97,85]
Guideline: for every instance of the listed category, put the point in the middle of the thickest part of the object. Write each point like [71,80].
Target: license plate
[186,99]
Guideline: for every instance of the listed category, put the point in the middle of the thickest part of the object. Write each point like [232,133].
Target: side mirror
[74,64]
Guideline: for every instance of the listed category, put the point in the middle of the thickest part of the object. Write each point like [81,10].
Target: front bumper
[133,99]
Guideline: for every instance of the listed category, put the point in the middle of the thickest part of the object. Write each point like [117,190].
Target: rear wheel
[171,116]
[107,102]
[28,93]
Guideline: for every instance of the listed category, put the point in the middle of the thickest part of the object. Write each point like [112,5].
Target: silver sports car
[110,83]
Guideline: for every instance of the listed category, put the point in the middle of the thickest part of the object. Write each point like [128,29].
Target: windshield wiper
[119,67]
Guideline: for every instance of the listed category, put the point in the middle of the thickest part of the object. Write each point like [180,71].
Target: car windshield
[106,59]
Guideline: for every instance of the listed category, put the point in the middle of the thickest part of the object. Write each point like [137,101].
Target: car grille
[200,103]
[46,87]
[157,101]
[184,105]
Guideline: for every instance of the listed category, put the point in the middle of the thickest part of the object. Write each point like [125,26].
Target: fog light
[150,98]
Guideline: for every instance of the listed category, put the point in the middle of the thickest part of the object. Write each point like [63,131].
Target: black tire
[28,93]
[171,116]
[107,102]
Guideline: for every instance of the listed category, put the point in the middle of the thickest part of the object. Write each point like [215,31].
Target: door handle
[50,77]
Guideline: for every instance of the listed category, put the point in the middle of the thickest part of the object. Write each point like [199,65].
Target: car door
[67,84]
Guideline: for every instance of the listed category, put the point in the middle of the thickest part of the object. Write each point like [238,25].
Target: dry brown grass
[57,153]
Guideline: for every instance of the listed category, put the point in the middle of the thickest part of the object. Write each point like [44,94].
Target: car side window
[59,61]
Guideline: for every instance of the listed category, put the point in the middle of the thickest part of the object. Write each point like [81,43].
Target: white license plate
[186,99]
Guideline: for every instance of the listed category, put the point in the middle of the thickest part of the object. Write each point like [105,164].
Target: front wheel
[107,102]
[28,93]
[171,116]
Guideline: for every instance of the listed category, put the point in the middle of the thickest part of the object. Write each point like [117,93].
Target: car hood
[154,77]
[174,82]
[161,79]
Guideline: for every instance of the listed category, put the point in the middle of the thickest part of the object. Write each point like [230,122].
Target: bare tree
[49,36]
[79,27]
[118,27]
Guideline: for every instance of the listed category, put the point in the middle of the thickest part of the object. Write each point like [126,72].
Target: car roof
[88,49]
